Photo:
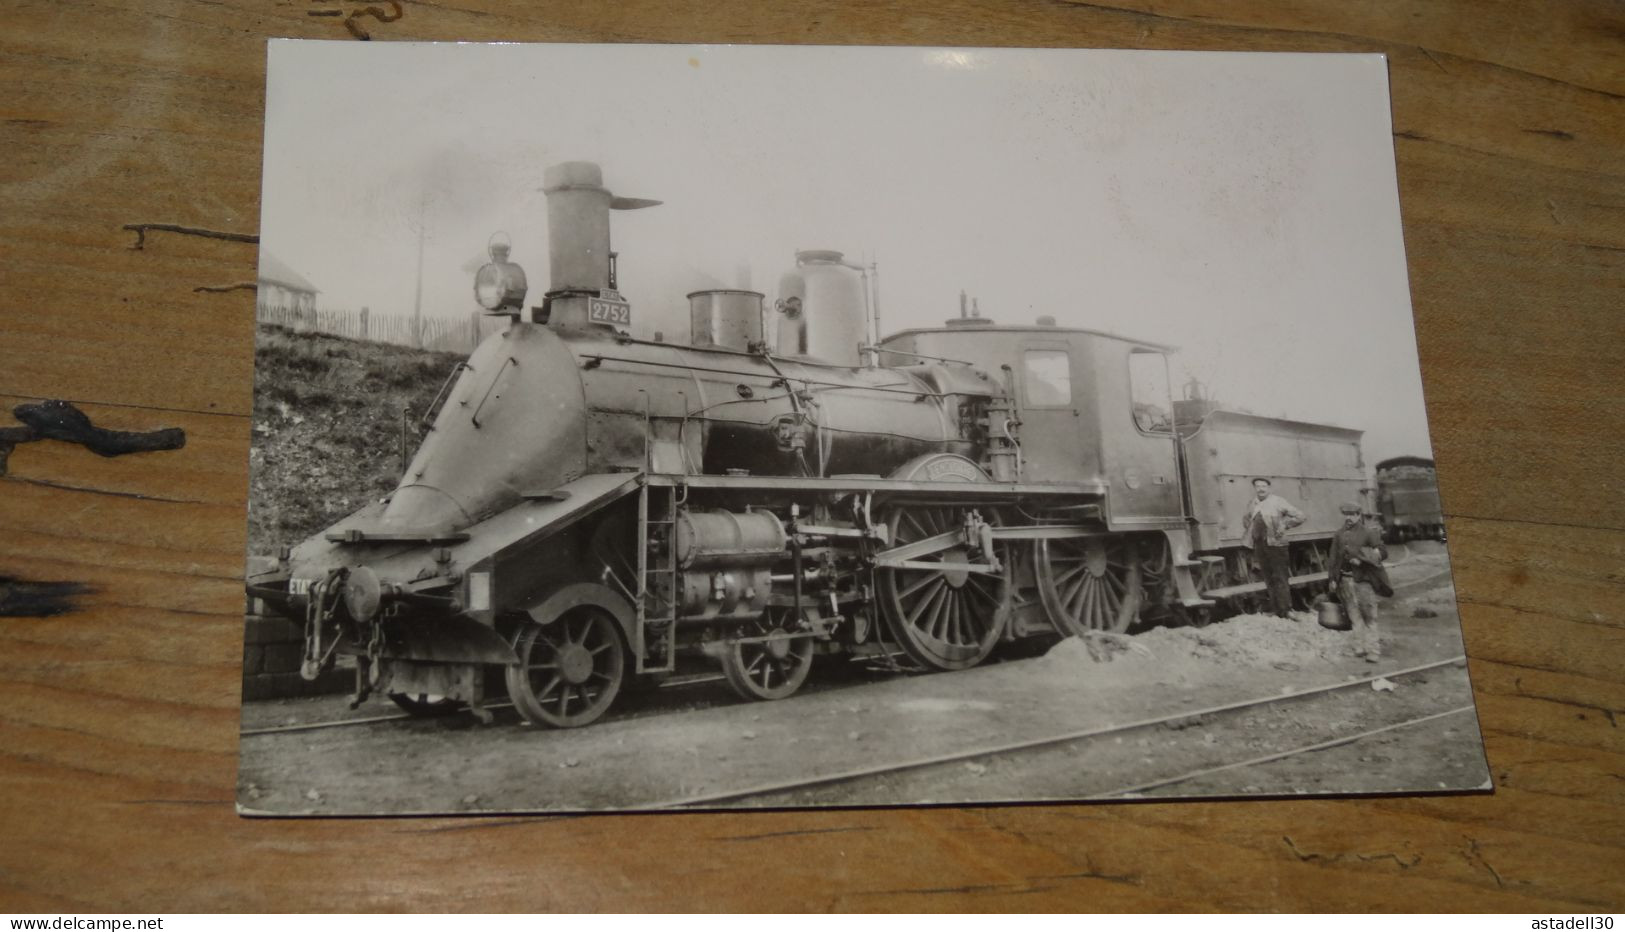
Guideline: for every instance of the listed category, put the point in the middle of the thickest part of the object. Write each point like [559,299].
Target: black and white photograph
[645,427]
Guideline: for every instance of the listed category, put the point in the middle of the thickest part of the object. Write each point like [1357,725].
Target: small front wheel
[766,660]
[569,670]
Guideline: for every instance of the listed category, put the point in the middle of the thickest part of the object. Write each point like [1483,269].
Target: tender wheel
[1198,617]
[772,668]
[569,670]
[1310,557]
[1159,592]
[1247,569]
[426,705]
[946,619]
[1088,583]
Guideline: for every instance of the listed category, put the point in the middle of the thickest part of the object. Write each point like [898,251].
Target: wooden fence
[436,333]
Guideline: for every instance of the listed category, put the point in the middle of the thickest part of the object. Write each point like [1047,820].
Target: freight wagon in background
[1408,499]
[591,509]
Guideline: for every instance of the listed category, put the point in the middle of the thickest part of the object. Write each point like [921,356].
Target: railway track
[322,725]
[1137,789]
[782,791]
[675,683]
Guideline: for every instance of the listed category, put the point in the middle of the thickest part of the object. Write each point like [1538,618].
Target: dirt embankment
[328,427]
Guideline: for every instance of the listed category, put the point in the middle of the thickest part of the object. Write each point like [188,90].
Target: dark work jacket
[1347,543]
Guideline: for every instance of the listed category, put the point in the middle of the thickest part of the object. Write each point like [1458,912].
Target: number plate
[604,311]
[299,586]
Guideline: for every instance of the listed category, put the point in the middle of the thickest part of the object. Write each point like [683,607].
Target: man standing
[1355,573]
[1268,519]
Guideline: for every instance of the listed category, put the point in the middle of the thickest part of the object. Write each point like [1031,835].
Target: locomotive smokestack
[577,228]
[579,259]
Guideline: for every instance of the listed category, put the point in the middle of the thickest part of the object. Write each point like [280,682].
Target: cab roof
[1027,328]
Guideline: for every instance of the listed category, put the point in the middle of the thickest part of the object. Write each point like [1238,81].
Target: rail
[1186,777]
[784,786]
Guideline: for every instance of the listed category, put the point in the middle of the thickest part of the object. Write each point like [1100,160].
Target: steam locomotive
[1408,499]
[591,510]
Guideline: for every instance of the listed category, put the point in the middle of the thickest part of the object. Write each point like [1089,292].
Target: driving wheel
[943,616]
[1088,583]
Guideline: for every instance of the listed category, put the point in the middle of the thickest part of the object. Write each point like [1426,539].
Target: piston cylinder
[708,540]
[727,592]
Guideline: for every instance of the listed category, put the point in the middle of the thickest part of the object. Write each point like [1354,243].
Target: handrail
[475,417]
[445,387]
[897,352]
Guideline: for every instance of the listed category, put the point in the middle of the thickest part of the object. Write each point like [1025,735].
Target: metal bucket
[1331,616]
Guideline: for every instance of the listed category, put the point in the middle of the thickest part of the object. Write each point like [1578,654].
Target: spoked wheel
[1247,569]
[425,705]
[569,670]
[764,661]
[1311,557]
[1160,593]
[1198,617]
[943,619]
[1088,583]
[1211,575]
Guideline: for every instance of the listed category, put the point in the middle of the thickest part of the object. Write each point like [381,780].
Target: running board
[1230,592]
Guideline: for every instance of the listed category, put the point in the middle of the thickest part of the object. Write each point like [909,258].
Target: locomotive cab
[1094,408]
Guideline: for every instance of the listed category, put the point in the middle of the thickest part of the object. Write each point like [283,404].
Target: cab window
[1047,377]
[1148,390]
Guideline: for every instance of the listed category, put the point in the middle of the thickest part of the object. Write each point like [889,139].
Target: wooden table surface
[118,721]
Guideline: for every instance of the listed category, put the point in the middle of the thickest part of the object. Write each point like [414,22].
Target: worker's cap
[1349,508]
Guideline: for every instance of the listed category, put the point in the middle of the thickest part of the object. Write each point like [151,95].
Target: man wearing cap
[1269,517]
[1356,574]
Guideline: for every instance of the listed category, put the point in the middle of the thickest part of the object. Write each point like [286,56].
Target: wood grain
[118,722]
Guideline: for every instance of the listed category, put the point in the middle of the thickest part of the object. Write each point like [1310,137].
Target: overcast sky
[1242,206]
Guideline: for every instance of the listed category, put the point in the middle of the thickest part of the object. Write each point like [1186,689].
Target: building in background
[282,289]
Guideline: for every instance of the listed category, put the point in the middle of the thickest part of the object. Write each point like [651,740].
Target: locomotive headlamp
[500,284]
[362,593]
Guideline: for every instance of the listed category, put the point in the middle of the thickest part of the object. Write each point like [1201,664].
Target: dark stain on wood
[394,13]
[23,599]
[9,438]
[221,289]
[805,831]
[67,487]
[141,229]
[1554,133]
[61,420]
